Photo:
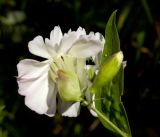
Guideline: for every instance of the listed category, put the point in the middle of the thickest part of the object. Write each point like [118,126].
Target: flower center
[61,64]
[63,72]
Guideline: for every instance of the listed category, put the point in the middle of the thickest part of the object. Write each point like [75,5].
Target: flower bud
[68,86]
[107,71]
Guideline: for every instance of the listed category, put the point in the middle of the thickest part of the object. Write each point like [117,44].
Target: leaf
[112,43]
[110,103]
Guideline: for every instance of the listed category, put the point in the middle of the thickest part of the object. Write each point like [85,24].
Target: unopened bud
[107,71]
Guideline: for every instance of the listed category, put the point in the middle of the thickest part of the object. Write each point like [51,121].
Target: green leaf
[112,42]
[109,96]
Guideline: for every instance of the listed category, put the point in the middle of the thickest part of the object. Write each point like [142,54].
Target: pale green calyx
[68,86]
[107,71]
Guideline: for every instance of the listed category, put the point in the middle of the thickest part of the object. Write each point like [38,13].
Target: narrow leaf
[110,93]
[112,43]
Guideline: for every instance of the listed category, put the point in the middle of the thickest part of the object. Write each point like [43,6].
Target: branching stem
[90,106]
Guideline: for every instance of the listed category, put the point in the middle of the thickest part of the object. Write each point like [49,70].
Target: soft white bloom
[42,82]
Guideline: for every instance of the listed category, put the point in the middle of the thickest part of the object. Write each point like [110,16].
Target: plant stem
[90,106]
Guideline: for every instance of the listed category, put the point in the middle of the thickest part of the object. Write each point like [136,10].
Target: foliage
[2,115]
[112,91]
[6,127]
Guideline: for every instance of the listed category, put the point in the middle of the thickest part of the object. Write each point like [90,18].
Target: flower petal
[56,35]
[96,36]
[67,42]
[29,68]
[51,99]
[35,89]
[81,73]
[84,48]
[52,44]
[80,31]
[51,48]
[69,109]
[37,47]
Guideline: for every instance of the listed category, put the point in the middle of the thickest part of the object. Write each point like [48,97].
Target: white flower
[40,82]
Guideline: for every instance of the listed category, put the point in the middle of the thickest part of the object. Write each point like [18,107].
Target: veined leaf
[110,94]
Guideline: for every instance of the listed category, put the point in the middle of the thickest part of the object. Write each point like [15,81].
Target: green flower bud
[68,86]
[107,71]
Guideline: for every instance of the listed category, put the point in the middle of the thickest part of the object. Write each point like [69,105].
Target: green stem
[90,106]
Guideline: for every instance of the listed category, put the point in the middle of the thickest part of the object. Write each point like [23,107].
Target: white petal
[51,48]
[84,48]
[51,99]
[81,73]
[70,38]
[36,99]
[97,37]
[55,38]
[81,31]
[37,47]
[31,69]
[56,35]
[35,89]
[69,109]
[67,42]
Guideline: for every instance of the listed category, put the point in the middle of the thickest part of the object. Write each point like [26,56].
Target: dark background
[138,23]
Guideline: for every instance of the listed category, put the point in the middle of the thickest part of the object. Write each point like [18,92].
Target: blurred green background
[138,23]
